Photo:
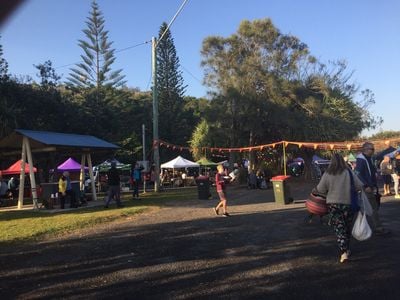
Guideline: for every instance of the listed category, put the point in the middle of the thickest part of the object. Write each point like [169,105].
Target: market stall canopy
[70,165]
[318,160]
[351,158]
[205,162]
[26,142]
[15,169]
[106,165]
[388,151]
[46,141]
[179,162]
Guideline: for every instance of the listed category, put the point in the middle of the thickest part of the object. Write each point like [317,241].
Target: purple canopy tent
[70,165]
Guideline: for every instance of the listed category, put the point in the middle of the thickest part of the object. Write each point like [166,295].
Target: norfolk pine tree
[171,89]
[95,69]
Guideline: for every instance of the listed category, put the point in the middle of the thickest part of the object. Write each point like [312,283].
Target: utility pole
[144,155]
[155,117]
[156,142]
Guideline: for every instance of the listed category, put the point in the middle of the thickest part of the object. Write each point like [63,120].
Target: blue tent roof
[66,139]
[42,139]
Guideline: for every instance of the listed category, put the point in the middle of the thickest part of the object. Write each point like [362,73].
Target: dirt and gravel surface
[183,251]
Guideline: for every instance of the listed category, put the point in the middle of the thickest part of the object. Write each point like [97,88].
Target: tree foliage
[95,68]
[266,87]
[170,90]
[49,79]
[269,87]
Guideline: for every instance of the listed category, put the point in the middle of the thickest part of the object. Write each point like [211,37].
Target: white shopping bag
[361,230]
[365,206]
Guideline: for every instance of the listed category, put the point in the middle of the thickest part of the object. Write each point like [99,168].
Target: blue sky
[366,33]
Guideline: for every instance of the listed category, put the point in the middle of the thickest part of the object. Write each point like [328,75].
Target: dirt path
[183,251]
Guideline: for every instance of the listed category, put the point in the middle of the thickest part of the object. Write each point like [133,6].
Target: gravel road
[183,251]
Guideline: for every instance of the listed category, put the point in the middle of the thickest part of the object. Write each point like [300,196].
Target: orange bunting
[356,145]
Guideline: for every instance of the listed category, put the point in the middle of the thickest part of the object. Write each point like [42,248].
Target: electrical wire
[116,51]
[172,21]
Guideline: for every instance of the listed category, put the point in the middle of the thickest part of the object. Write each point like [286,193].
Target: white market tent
[179,162]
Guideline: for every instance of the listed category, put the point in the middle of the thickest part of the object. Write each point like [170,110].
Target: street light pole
[155,117]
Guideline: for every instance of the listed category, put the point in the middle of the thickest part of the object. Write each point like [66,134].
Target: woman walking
[221,190]
[386,172]
[336,183]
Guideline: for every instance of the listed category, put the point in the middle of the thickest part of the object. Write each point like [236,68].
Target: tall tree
[7,107]
[95,69]
[246,70]
[171,90]
[47,74]
[3,65]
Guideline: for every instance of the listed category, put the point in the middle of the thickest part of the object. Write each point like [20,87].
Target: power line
[172,21]
[134,46]
[198,80]
[116,51]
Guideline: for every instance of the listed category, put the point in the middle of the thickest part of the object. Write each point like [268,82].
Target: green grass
[25,225]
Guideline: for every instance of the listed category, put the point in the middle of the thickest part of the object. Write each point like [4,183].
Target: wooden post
[284,157]
[93,184]
[31,173]
[22,177]
[82,174]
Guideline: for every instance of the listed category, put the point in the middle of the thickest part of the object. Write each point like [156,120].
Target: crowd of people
[337,183]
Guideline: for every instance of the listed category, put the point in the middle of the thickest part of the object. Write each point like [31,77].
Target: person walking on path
[221,190]
[366,172]
[113,186]
[395,175]
[386,171]
[336,183]
[137,179]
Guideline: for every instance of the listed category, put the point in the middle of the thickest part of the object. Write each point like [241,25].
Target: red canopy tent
[16,169]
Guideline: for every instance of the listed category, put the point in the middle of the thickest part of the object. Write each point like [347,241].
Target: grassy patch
[28,224]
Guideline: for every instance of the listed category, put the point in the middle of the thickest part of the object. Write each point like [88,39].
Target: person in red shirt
[220,182]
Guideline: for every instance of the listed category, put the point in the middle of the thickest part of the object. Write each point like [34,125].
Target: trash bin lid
[280,177]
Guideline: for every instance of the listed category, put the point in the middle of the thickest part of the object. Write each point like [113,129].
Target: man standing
[62,189]
[136,178]
[69,191]
[366,171]
[113,186]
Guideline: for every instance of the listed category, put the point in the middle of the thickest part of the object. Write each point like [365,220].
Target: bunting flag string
[329,146]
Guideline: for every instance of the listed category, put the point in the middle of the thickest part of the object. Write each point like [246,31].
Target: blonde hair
[220,168]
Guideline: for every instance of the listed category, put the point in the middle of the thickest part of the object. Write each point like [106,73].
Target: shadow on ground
[264,251]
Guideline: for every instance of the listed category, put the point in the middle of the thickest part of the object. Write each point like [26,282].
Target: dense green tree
[269,88]
[3,66]
[173,125]
[49,79]
[95,68]
[388,134]
[7,105]
[200,138]
[246,69]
